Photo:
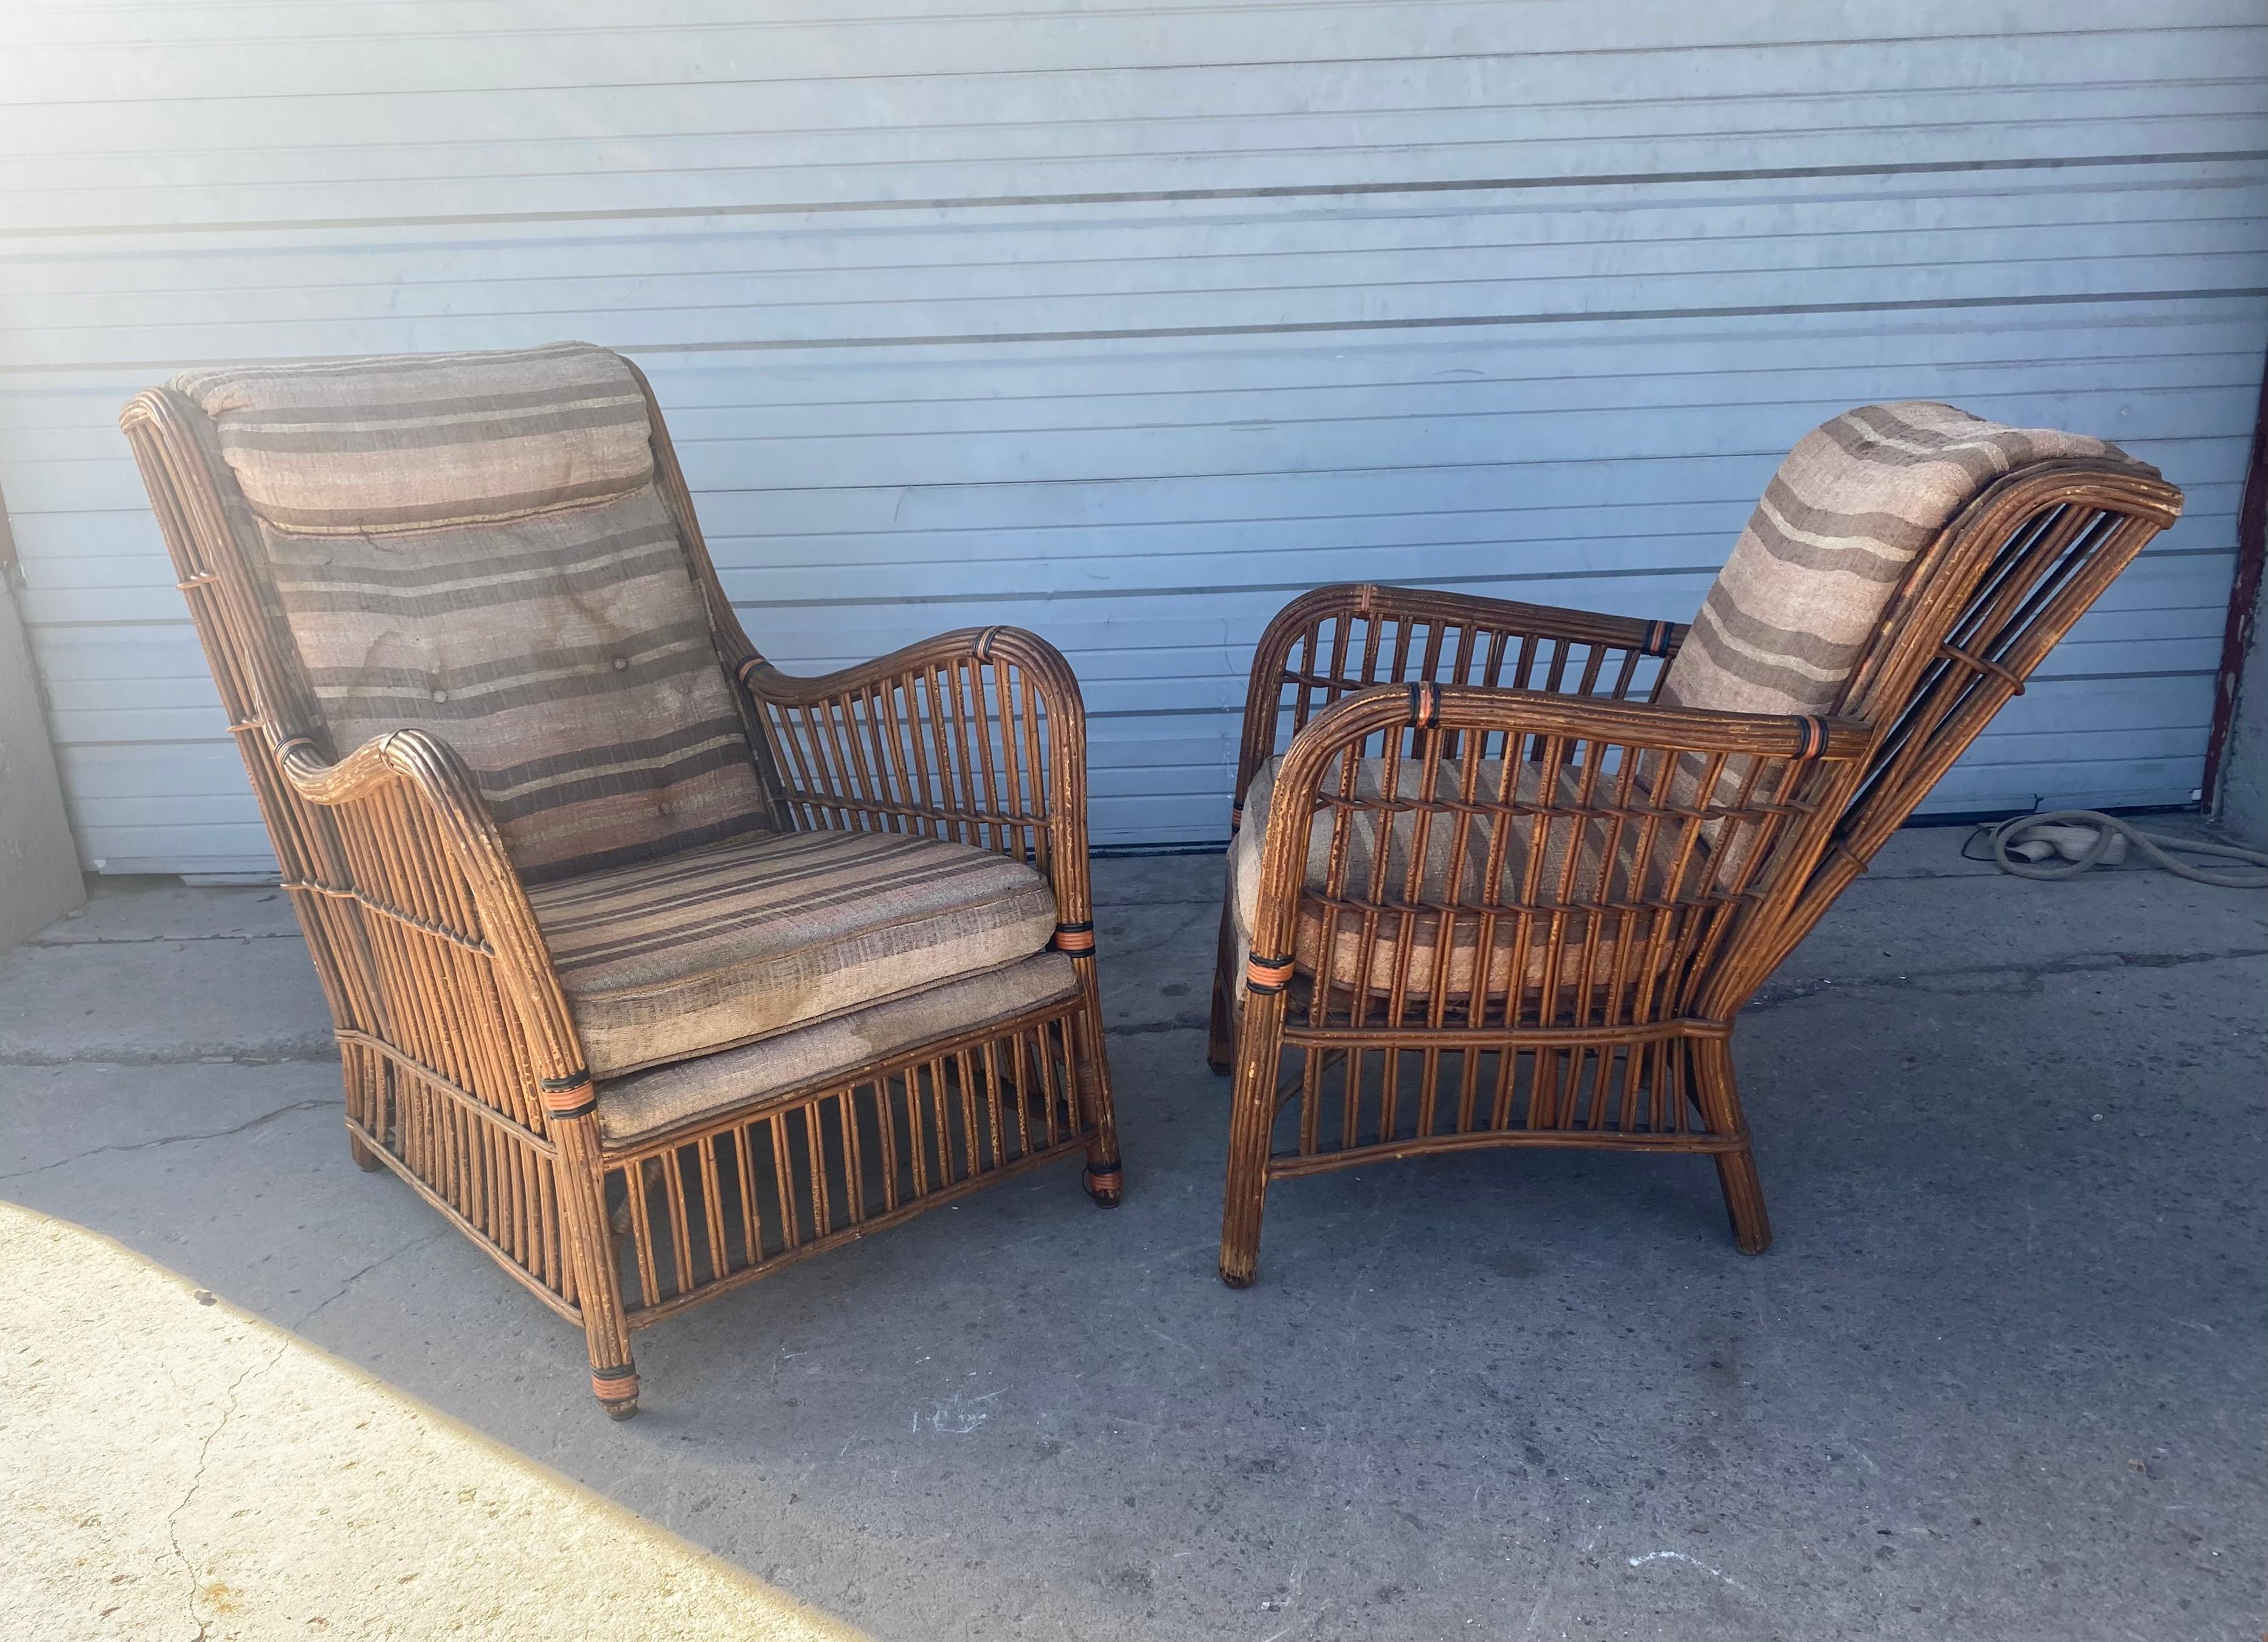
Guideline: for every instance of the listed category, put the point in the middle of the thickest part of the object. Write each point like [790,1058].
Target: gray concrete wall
[38,862]
[2242,805]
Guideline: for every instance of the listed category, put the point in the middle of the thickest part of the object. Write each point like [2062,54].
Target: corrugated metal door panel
[1125,323]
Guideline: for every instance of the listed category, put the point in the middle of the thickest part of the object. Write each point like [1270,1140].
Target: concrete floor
[2003,1376]
[170,1467]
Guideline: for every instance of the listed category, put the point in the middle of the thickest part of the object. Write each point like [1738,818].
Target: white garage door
[1123,323]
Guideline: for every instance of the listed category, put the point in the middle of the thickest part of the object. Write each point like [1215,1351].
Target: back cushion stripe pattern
[473,545]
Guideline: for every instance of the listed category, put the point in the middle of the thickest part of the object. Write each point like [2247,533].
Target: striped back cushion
[1788,619]
[405,442]
[543,620]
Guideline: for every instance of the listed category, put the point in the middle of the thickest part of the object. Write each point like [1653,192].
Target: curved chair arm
[1380,634]
[978,736]
[421,850]
[1777,781]
[461,997]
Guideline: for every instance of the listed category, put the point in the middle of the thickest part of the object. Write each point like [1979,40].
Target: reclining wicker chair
[1518,868]
[653,969]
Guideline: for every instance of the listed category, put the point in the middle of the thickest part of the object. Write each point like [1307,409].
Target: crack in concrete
[1150,1028]
[228,1411]
[40,943]
[355,1277]
[208,1057]
[1173,934]
[196,1481]
[1771,995]
[171,1140]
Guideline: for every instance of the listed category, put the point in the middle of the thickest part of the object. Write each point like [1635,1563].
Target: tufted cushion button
[441,696]
[620,662]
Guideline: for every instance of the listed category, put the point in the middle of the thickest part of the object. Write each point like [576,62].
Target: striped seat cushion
[408,442]
[1451,877]
[699,952]
[1858,497]
[811,1058]
[473,545]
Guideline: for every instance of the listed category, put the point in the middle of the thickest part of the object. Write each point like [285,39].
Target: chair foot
[1220,1065]
[617,1391]
[1744,1201]
[365,1160]
[1106,1184]
[1236,1279]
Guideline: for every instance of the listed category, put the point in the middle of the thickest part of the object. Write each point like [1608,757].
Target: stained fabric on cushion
[1830,541]
[472,544]
[716,948]
[1452,875]
[343,446]
[1783,627]
[564,656]
[813,1057]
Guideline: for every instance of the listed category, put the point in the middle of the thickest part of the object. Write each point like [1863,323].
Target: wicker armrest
[1506,617]
[1778,774]
[978,736]
[1337,640]
[414,844]
[426,766]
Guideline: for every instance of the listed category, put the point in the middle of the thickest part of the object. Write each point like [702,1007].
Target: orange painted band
[1267,975]
[571,1096]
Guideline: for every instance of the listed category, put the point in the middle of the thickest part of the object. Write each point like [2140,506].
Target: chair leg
[1221,1035]
[1252,1116]
[1105,1182]
[365,1159]
[613,1372]
[585,1230]
[1744,1201]
[615,1384]
[1104,1177]
[1719,1097]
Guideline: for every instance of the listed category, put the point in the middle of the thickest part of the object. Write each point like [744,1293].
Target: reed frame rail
[1641,1060]
[462,1068]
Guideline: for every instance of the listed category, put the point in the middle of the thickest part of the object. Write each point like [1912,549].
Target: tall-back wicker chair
[1504,875]
[653,969]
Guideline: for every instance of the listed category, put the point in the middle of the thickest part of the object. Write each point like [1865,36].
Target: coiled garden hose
[2029,847]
